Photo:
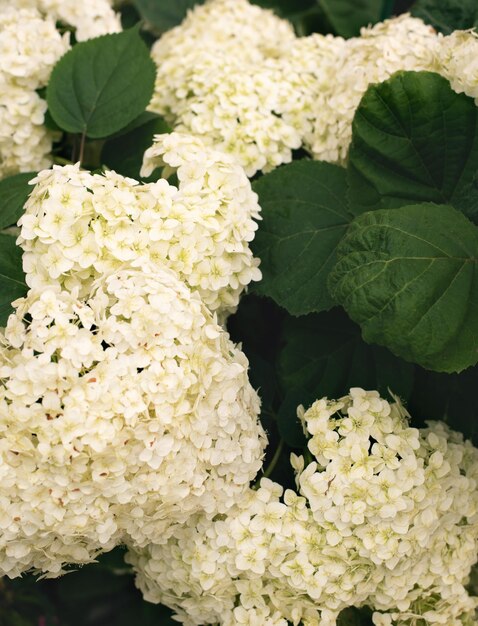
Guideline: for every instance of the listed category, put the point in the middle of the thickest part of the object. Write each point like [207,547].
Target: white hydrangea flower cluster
[458,60]
[216,215]
[30,46]
[120,416]
[78,226]
[237,75]
[89,18]
[219,77]
[344,72]
[408,497]
[386,516]
[266,562]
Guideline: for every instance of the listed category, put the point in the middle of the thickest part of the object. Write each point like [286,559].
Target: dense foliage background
[293,359]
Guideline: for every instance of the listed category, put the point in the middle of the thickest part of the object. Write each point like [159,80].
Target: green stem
[59,160]
[82,147]
[274,460]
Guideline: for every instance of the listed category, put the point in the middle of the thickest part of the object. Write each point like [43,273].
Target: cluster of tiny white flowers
[265,562]
[78,226]
[30,46]
[121,415]
[216,215]
[89,18]
[408,497]
[458,60]
[386,516]
[238,76]
[344,70]
[257,91]
[219,77]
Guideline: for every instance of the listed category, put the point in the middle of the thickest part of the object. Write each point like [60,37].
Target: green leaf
[409,277]
[325,355]
[348,16]
[101,85]
[164,14]
[146,116]
[414,140]
[304,212]
[355,617]
[287,8]
[447,15]
[124,154]
[14,192]
[447,397]
[12,282]
[288,423]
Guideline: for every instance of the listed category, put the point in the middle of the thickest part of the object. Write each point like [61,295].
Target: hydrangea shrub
[238,313]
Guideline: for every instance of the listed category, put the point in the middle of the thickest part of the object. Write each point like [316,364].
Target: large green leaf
[414,140]
[409,277]
[305,215]
[12,282]
[348,16]
[14,192]
[447,15]
[101,85]
[164,14]
[325,355]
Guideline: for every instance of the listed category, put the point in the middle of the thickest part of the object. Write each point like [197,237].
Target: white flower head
[78,226]
[304,558]
[121,415]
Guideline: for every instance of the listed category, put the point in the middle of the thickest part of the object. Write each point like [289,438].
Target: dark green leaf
[447,15]
[466,199]
[145,614]
[324,355]
[348,16]
[409,277]
[164,14]
[288,423]
[286,7]
[14,192]
[447,397]
[50,122]
[263,378]
[146,116]
[12,281]
[101,85]
[305,215]
[124,154]
[414,140]
[257,326]
[355,617]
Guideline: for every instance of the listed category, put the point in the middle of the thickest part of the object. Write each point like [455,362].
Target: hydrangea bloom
[402,43]
[458,61]
[218,77]
[266,562]
[30,46]
[407,497]
[257,91]
[120,416]
[386,516]
[78,225]
[89,18]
